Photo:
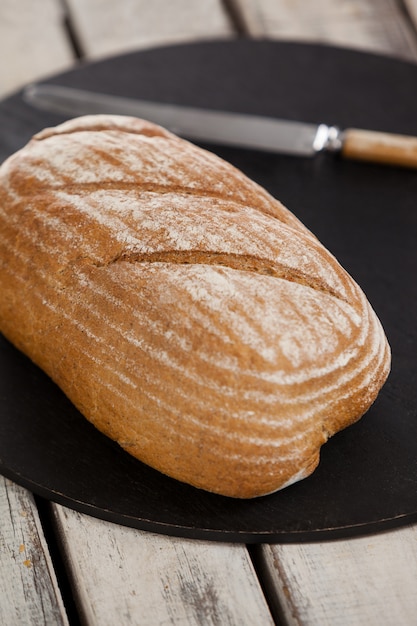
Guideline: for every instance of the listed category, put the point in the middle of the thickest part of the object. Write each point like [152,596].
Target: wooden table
[58,566]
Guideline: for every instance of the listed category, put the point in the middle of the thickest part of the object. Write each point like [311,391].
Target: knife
[233,129]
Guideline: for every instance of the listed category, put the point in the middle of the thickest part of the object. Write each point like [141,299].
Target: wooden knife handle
[379,147]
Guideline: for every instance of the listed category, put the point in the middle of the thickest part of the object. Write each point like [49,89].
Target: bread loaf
[186,313]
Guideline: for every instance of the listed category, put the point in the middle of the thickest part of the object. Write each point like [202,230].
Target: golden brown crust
[186,313]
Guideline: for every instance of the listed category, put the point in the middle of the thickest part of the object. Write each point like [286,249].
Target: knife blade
[231,128]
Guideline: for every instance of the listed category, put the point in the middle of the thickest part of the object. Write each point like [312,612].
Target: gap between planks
[361,581]
[381,26]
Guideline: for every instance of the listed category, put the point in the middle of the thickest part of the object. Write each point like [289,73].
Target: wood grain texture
[28,587]
[378,147]
[107,27]
[380,26]
[33,42]
[363,581]
[125,576]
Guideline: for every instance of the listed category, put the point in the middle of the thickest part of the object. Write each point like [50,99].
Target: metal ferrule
[327,139]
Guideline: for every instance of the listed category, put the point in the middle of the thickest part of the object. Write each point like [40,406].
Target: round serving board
[365,214]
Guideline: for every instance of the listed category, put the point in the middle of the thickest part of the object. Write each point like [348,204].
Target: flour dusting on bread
[186,313]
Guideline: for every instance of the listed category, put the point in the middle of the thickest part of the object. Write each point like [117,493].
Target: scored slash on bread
[185,312]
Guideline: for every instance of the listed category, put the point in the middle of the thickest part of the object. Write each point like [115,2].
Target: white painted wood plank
[105,27]
[28,588]
[375,25]
[33,42]
[411,7]
[124,576]
[366,581]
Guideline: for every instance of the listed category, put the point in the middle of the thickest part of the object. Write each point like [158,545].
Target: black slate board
[365,214]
